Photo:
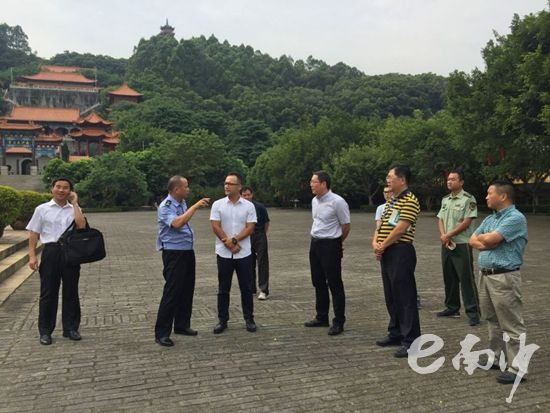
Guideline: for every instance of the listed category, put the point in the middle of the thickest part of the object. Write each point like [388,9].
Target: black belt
[313,239]
[53,243]
[493,271]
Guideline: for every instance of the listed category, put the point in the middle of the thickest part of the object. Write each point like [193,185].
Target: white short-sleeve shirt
[233,218]
[379,212]
[329,213]
[50,220]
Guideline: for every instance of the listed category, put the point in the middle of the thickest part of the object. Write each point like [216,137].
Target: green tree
[504,110]
[14,47]
[75,171]
[283,171]
[357,172]
[114,182]
[248,139]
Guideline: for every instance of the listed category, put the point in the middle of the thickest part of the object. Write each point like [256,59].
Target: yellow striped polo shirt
[407,207]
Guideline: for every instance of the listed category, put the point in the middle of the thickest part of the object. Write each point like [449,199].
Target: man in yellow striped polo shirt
[393,246]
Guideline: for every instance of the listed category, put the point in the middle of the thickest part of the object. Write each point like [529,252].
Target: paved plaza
[283,366]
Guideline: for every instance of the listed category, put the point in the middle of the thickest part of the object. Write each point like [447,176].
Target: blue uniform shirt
[170,238]
[512,225]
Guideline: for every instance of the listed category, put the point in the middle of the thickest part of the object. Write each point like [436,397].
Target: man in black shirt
[259,246]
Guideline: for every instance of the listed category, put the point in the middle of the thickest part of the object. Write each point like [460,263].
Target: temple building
[124,93]
[51,110]
[57,87]
[30,137]
[93,136]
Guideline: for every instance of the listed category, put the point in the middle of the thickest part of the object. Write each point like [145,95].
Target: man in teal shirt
[501,240]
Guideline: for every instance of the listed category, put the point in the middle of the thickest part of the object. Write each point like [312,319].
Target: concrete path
[284,366]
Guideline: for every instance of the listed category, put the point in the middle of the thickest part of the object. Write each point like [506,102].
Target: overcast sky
[376,36]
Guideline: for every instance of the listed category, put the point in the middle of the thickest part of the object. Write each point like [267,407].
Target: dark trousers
[398,265]
[261,258]
[243,267]
[325,260]
[53,271]
[176,303]
[458,275]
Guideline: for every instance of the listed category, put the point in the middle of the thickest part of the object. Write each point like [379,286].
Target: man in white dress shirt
[233,219]
[48,223]
[331,226]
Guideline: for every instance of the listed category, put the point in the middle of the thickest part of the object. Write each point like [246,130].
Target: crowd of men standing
[240,227]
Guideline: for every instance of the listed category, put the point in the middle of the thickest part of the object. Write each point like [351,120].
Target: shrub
[10,205]
[30,200]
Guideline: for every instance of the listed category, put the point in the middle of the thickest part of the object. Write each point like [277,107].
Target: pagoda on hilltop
[124,93]
[166,30]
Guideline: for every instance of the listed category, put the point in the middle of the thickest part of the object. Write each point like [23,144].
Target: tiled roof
[62,69]
[19,151]
[94,133]
[113,140]
[49,138]
[4,125]
[68,77]
[94,119]
[65,115]
[125,90]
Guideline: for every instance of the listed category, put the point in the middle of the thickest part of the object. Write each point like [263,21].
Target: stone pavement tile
[284,366]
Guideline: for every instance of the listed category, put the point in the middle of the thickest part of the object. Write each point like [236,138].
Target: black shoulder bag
[81,246]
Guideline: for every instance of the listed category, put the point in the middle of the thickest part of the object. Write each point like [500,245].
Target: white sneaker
[262,296]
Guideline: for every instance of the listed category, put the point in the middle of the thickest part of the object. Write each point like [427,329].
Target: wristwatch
[234,241]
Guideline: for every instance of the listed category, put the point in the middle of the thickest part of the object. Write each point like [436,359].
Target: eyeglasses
[230,183]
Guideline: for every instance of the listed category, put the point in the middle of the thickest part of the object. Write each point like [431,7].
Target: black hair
[504,186]
[323,177]
[247,188]
[402,171]
[238,175]
[55,180]
[174,182]
[457,171]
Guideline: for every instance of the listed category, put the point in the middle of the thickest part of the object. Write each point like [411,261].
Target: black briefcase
[81,246]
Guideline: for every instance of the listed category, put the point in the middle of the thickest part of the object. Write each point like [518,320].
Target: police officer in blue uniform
[175,240]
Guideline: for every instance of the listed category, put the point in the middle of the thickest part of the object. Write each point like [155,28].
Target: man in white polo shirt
[233,219]
[331,226]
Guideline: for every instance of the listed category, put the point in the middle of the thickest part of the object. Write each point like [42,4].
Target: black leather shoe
[72,334]
[220,328]
[402,352]
[316,323]
[473,322]
[45,339]
[335,329]
[388,341]
[484,361]
[250,326]
[164,341]
[449,313]
[508,377]
[186,332]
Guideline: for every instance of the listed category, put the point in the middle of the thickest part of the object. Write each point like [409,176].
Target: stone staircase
[14,257]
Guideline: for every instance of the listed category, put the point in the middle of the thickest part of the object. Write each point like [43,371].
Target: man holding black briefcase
[48,223]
